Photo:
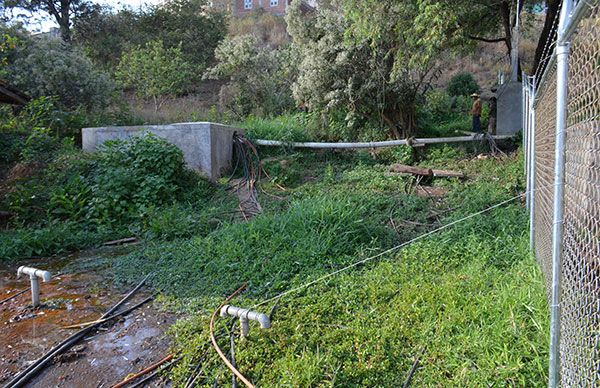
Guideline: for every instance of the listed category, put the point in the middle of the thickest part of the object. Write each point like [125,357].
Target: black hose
[33,369]
[232,341]
[14,296]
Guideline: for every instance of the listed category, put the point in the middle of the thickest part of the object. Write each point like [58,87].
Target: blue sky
[41,22]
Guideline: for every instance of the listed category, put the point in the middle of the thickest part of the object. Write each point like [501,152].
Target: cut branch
[488,40]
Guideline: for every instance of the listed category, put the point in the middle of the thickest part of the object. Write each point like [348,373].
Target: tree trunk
[64,20]
[551,13]
[514,50]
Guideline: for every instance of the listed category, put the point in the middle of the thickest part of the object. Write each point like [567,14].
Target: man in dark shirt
[476,113]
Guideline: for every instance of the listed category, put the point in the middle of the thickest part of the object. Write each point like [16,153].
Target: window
[247,4]
[274,3]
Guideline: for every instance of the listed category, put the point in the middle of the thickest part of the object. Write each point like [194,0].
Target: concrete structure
[276,7]
[510,113]
[207,147]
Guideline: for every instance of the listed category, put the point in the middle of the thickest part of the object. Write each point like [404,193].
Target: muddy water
[82,294]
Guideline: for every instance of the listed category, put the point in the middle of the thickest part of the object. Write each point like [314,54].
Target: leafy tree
[493,21]
[462,84]
[62,11]
[106,34]
[8,44]
[259,78]
[49,67]
[369,58]
[154,71]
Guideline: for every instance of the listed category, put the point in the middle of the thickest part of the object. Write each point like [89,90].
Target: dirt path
[249,204]
[102,359]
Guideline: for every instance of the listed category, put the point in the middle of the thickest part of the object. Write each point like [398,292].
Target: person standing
[476,113]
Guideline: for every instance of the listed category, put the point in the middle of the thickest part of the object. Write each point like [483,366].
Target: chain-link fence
[577,259]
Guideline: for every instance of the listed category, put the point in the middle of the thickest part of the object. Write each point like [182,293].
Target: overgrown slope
[470,297]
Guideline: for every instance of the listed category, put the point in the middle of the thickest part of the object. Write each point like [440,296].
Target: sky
[41,22]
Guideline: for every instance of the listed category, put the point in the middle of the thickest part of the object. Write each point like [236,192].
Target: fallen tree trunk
[404,169]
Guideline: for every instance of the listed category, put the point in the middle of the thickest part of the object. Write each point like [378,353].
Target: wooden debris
[448,174]
[422,171]
[404,169]
[122,241]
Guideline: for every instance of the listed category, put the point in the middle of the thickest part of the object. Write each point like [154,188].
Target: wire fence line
[571,271]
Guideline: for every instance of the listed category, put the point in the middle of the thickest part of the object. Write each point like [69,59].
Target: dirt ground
[104,358]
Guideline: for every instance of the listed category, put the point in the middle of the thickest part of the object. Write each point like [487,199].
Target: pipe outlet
[34,276]
[246,315]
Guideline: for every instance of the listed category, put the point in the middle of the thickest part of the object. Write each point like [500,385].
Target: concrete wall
[510,111]
[207,147]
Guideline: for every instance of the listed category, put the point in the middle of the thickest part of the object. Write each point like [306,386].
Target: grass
[471,296]
[290,127]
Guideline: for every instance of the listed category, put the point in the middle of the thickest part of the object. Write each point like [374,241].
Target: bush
[42,146]
[259,78]
[106,34]
[46,67]
[135,175]
[11,145]
[155,71]
[463,84]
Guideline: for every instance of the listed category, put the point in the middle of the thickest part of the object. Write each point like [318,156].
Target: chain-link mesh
[580,317]
[580,266]
[545,129]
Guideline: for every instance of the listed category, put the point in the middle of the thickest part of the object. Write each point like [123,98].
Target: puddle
[81,295]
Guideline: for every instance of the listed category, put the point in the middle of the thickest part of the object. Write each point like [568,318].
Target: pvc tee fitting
[245,315]
[34,276]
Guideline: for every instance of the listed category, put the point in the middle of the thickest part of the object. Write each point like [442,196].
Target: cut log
[448,174]
[402,168]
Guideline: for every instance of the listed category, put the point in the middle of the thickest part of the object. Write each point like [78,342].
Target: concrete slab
[207,147]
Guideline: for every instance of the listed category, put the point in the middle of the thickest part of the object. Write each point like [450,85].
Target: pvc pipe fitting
[34,276]
[245,316]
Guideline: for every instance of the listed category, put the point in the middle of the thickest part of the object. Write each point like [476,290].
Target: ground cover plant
[469,298]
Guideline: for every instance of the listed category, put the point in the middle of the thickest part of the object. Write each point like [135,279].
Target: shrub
[154,71]
[134,175]
[259,78]
[41,146]
[46,67]
[10,144]
[462,84]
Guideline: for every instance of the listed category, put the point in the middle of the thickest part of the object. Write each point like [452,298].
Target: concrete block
[510,113]
[207,147]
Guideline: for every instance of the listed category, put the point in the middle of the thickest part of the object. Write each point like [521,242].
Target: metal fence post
[562,71]
[526,130]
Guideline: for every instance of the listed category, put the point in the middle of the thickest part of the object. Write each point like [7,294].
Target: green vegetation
[468,297]
[154,71]
[462,84]
[471,295]
[62,199]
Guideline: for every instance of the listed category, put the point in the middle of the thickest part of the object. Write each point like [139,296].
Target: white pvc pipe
[244,315]
[562,73]
[374,144]
[34,274]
